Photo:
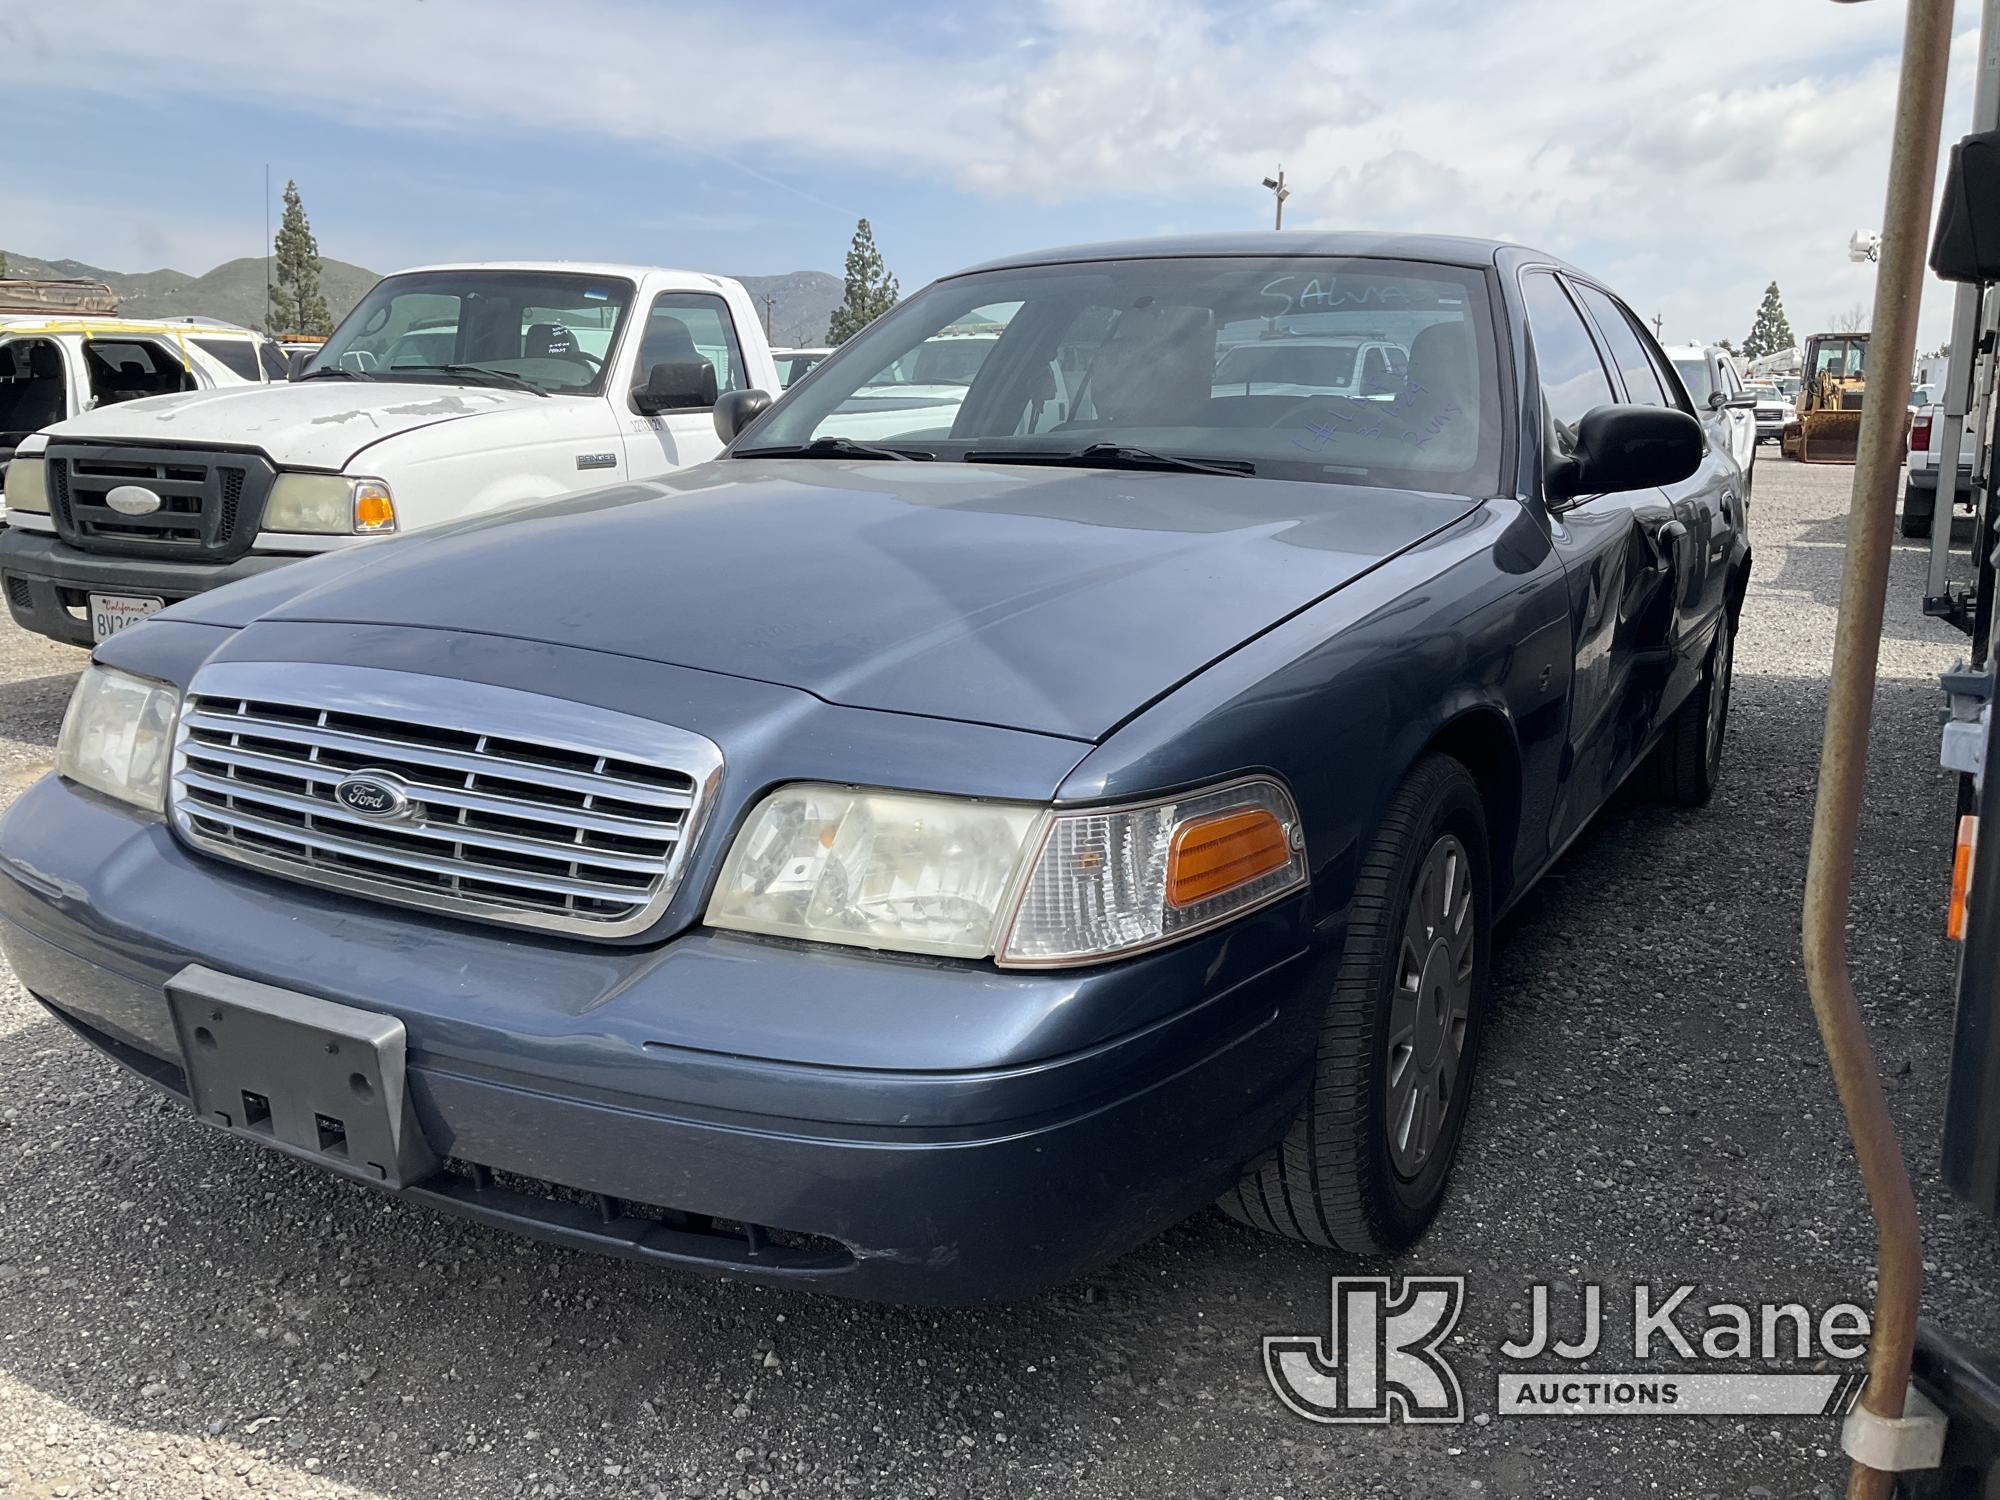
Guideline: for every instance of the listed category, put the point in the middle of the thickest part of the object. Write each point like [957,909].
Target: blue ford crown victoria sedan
[962,830]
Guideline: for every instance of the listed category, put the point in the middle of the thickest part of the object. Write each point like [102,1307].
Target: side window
[126,369]
[33,389]
[237,356]
[692,325]
[1375,374]
[1642,381]
[1573,378]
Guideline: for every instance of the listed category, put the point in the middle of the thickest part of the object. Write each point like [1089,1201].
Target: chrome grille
[522,809]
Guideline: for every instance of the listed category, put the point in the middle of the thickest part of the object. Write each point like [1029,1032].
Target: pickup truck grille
[519,809]
[211,503]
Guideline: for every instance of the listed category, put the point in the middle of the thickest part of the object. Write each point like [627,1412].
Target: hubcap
[1430,1010]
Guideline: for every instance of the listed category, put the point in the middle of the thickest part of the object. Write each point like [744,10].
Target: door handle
[1666,537]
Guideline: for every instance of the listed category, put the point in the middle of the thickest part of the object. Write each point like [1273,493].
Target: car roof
[570,267]
[112,323]
[1683,351]
[1440,249]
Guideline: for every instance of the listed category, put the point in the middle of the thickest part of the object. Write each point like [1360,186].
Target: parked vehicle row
[917,866]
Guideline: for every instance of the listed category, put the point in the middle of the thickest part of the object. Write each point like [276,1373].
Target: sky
[1690,153]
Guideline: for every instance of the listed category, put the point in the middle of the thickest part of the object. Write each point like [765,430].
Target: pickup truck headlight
[329,505]
[1032,887]
[28,486]
[117,736]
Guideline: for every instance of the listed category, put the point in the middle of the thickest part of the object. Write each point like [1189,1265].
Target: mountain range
[802,301]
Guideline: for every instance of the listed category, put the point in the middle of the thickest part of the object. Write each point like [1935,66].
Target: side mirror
[1966,246]
[736,410]
[675,385]
[1628,448]
[1741,401]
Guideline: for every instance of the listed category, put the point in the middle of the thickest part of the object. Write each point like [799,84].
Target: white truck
[1920,483]
[448,391]
[55,365]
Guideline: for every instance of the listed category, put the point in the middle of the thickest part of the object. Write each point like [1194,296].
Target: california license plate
[111,613]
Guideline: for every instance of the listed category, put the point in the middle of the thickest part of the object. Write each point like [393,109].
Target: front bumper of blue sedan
[1008,1135]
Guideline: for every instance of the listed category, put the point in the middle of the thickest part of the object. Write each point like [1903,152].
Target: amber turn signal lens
[1211,855]
[373,509]
[1961,877]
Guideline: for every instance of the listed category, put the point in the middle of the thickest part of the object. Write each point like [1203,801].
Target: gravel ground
[182,1316]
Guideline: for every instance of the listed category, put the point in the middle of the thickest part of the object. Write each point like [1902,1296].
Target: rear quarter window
[238,356]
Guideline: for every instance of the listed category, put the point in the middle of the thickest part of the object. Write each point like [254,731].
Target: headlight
[117,736]
[27,484]
[1039,889]
[329,505]
[875,869]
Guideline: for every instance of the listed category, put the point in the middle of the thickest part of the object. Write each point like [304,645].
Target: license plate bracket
[309,1077]
[111,613]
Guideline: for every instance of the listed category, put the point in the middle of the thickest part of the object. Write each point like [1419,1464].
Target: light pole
[1281,193]
[1658,323]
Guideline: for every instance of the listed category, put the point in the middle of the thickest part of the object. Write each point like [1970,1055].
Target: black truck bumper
[48,583]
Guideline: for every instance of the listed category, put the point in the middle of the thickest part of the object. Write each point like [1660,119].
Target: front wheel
[1365,1163]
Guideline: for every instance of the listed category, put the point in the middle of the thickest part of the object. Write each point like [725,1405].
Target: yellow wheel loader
[1827,429]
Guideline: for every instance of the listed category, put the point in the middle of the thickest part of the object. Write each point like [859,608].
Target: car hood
[1054,600]
[311,424]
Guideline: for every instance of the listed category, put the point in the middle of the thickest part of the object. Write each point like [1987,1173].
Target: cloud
[1693,152]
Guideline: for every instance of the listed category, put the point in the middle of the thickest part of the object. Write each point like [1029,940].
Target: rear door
[1621,560]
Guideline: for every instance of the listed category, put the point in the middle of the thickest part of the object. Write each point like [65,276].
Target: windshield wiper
[1117,456]
[336,372]
[474,373]
[830,447]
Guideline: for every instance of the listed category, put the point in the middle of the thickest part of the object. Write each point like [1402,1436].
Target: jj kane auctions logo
[1384,1358]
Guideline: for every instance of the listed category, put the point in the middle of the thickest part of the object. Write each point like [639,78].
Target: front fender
[1341,699]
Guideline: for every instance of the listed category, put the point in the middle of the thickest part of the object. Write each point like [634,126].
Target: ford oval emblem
[132,500]
[374,794]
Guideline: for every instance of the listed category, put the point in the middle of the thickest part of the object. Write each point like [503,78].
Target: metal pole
[1850,694]
[267,249]
[1280,195]
[1967,377]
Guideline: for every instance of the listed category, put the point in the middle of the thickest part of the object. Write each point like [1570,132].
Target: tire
[1686,764]
[1919,506]
[1348,1174]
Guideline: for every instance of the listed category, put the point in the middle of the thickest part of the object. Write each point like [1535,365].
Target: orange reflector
[1211,855]
[1961,877]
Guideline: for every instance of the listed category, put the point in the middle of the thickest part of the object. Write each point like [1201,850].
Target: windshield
[1341,370]
[552,329]
[1841,358]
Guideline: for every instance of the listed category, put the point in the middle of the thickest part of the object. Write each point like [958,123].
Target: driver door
[662,442]
[1624,556]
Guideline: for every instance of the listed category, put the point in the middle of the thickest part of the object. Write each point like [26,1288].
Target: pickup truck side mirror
[1741,401]
[737,410]
[1627,448]
[675,385]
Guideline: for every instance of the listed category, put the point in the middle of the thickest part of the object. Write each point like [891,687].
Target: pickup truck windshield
[1343,370]
[554,330]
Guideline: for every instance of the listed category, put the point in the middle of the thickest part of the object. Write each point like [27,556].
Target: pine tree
[871,290]
[296,303]
[1770,332]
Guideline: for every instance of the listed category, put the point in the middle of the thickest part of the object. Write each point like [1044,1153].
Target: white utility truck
[448,391]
